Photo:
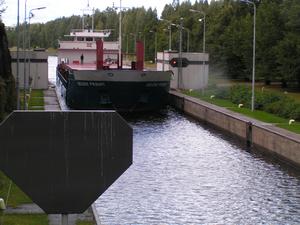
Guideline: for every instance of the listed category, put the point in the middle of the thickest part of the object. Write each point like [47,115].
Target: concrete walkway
[50,99]
[54,219]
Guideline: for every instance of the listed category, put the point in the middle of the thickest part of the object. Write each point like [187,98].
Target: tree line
[229,34]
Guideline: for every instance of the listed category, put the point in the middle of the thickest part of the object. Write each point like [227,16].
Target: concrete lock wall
[195,75]
[38,69]
[280,142]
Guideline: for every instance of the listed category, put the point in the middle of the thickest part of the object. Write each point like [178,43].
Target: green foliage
[7,83]
[25,219]
[240,95]
[2,8]
[267,117]
[16,196]
[36,101]
[84,222]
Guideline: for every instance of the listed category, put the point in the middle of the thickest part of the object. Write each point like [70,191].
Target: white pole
[25,57]
[120,35]
[64,219]
[204,30]
[18,58]
[170,37]
[180,55]
[253,59]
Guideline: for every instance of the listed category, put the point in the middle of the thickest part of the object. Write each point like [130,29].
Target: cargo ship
[91,75]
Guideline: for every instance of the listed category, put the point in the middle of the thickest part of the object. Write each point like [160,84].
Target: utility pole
[18,57]
[120,35]
[180,55]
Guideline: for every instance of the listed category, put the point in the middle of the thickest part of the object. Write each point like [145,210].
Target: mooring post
[64,219]
[249,134]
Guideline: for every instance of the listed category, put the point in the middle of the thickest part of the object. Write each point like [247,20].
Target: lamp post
[253,56]
[170,37]
[126,44]
[29,40]
[120,35]
[170,32]
[24,57]
[155,44]
[18,58]
[134,44]
[188,39]
[180,54]
[204,24]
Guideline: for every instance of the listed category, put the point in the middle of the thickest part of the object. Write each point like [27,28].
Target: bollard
[249,134]
[2,204]
[64,219]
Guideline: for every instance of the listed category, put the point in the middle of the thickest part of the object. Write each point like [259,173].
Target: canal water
[184,172]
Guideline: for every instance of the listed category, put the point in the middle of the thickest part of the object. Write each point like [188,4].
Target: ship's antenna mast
[89,10]
[120,30]
[120,35]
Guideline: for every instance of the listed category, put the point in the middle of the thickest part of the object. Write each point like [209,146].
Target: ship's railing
[90,30]
[62,79]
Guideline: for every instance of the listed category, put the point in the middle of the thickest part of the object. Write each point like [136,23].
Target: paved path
[50,99]
[54,219]
[24,209]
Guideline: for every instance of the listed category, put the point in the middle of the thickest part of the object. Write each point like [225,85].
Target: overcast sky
[60,8]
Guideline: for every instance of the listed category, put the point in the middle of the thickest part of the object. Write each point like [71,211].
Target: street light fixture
[204,24]
[180,55]
[18,58]
[24,56]
[170,31]
[134,44]
[188,39]
[120,33]
[253,56]
[155,44]
[26,81]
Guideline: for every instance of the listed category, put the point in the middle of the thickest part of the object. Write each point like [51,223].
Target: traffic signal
[174,62]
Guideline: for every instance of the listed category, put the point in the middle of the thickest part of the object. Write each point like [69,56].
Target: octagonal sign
[65,160]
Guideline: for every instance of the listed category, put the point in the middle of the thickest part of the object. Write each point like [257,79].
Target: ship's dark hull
[118,95]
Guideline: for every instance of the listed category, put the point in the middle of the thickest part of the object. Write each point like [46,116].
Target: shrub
[240,95]
[222,93]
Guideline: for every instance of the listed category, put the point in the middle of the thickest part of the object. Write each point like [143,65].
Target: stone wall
[7,81]
[279,142]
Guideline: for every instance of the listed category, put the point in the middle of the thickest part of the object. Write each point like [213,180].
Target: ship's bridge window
[80,38]
[89,39]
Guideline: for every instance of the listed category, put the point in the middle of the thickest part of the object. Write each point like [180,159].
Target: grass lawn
[259,115]
[36,101]
[16,196]
[84,222]
[24,219]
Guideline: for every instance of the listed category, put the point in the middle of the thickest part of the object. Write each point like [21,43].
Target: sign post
[63,155]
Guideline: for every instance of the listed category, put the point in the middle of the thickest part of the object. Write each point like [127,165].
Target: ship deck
[92,66]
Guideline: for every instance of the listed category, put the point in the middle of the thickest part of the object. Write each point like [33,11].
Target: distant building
[38,78]
[194,72]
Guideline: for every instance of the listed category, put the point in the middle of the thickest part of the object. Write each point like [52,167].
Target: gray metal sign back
[65,160]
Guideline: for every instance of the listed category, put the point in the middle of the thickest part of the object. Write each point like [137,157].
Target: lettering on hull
[90,84]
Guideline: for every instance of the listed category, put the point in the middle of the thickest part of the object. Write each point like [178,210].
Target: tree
[288,49]
[270,30]
[2,7]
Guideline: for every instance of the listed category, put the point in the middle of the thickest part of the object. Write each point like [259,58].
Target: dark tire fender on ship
[172,74]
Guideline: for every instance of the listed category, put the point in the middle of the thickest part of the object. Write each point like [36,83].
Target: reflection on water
[186,174]
[183,173]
